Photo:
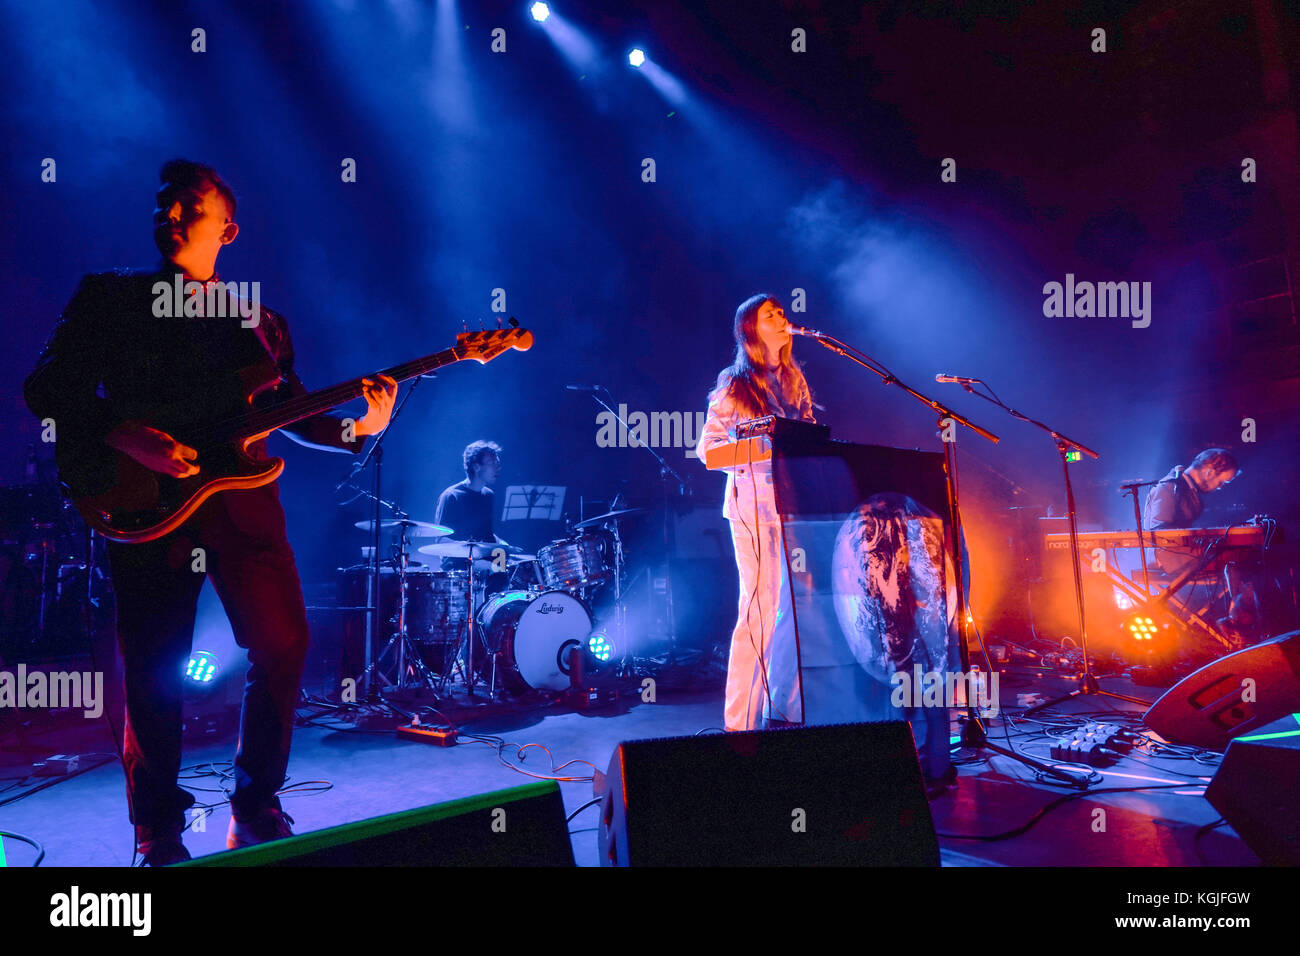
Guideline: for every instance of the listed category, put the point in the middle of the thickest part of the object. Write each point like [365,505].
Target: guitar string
[310,404]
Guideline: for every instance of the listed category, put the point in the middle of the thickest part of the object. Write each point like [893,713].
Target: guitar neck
[322,400]
[480,346]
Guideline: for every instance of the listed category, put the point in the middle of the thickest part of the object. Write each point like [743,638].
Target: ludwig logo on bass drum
[548,608]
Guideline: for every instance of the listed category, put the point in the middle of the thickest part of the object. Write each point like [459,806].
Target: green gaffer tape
[277,850]
[1284,733]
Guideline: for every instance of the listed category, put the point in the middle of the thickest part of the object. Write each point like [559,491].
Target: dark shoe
[268,825]
[161,846]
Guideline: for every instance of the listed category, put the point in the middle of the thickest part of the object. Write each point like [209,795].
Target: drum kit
[488,613]
[53,589]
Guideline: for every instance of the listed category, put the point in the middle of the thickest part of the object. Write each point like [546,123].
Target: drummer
[467,508]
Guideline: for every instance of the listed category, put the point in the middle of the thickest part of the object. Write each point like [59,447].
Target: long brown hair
[755,390]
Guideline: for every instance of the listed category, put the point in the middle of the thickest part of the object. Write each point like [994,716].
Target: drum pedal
[442,737]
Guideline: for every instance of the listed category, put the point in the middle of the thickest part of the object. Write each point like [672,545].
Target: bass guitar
[140,504]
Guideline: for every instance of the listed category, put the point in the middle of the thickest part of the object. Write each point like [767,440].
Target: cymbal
[416,529]
[388,566]
[461,549]
[608,515]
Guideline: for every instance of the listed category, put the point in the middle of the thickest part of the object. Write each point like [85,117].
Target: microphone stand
[1132,489]
[1088,686]
[376,453]
[973,734]
[670,537]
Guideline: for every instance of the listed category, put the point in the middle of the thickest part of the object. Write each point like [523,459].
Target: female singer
[762,671]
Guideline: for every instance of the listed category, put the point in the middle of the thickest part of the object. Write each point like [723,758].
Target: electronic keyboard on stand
[754,440]
[1210,550]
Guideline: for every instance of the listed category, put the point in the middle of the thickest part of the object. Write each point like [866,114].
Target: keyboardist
[1176,501]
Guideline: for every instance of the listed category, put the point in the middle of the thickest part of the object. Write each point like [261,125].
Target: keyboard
[1185,539]
[756,437]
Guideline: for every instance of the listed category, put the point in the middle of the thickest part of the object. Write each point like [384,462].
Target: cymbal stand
[374,453]
[402,637]
[620,609]
[618,626]
[666,471]
[471,627]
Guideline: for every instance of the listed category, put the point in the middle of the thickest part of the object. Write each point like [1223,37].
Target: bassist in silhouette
[117,357]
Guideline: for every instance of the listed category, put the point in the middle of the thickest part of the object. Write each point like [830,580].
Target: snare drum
[532,635]
[527,576]
[581,561]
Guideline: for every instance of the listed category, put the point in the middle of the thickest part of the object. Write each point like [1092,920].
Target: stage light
[1152,649]
[540,12]
[636,57]
[202,668]
[601,647]
[1122,600]
[1142,628]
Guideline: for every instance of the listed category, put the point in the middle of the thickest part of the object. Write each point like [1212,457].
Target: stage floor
[82,821]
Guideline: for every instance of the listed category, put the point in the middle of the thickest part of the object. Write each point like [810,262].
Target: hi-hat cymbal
[415,529]
[608,515]
[461,549]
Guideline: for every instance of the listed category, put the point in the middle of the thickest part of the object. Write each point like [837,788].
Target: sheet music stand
[533,503]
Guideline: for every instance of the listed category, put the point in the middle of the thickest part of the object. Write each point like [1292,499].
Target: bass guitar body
[143,505]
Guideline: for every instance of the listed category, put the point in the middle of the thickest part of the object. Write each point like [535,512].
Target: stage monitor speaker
[522,826]
[1255,790]
[834,795]
[1216,703]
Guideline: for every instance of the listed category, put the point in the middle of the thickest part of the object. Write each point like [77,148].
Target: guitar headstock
[486,345]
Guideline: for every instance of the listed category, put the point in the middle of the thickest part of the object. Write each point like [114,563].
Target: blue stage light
[601,647]
[202,668]
[636,57]
[540,12]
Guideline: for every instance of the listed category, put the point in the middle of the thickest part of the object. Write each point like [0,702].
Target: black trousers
[240,538]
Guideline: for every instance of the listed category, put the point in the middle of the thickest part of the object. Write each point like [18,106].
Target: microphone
[1128,486]
[585,388]
[800,330]
[957,379]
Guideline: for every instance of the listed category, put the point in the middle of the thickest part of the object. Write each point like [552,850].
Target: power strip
[440,736]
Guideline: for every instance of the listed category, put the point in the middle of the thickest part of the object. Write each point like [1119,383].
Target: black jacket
[109,360]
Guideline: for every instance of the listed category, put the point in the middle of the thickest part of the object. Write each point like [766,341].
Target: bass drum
[531,635]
